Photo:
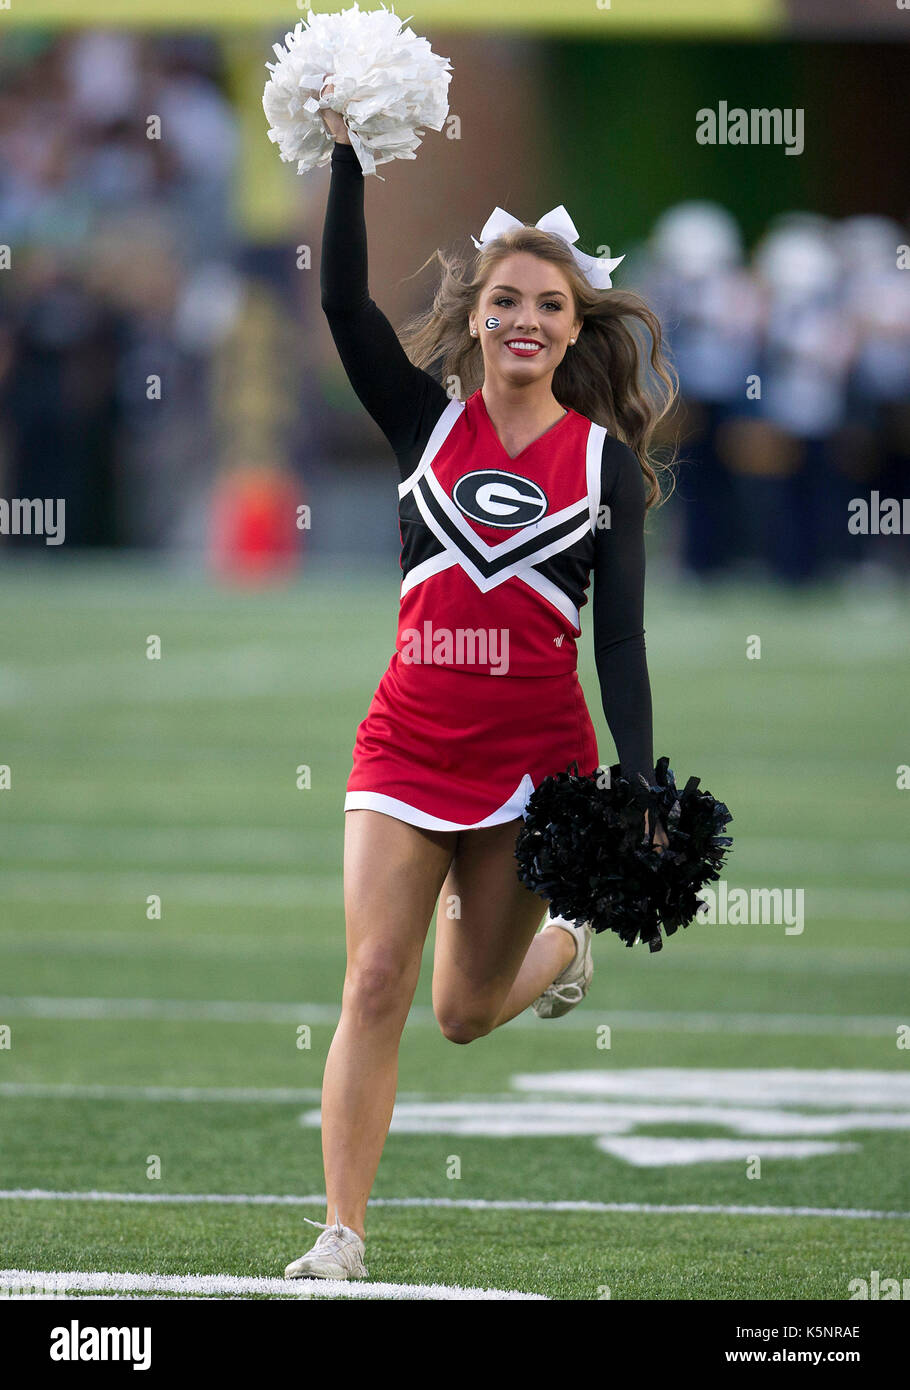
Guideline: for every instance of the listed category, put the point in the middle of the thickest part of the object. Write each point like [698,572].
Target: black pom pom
[583,847]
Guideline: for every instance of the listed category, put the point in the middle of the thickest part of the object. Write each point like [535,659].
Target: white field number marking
[777,1113]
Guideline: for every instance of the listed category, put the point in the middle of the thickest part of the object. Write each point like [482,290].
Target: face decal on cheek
[491,322]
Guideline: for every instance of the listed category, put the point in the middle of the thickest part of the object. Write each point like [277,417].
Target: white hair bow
[558,223]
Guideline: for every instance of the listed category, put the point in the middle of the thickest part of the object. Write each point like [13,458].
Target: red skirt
[450,749]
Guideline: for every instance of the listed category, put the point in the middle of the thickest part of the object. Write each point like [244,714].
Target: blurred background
[181,679]
[174,252]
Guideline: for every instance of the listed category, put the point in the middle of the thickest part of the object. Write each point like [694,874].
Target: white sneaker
[337,1254]
[571,984]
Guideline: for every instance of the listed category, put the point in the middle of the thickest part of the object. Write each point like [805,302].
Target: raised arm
[390,387]
[618,617]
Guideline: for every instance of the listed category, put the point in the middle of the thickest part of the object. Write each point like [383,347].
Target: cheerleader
[508,501]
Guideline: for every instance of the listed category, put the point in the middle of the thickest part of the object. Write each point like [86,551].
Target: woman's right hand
[334,123]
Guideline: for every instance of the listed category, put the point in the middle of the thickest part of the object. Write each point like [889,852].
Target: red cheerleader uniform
[481,699]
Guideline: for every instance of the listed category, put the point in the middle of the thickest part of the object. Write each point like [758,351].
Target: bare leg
[548,954]
[392,876]
[489,964]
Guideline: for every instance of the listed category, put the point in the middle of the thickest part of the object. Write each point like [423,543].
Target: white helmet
[696,238]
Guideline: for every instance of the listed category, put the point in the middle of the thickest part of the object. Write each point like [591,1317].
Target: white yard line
[238,1095]
[256,845]
[737,955]
[35,1194]
[235,1284]
[199,1010]
[44,842]
[266,888]
[107,886]
[636,1020]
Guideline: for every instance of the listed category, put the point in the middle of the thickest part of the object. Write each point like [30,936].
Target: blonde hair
[599,376]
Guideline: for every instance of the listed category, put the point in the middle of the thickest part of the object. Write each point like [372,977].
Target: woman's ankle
[358,1227]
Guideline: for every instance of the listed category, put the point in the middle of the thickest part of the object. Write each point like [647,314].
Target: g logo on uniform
[497,498]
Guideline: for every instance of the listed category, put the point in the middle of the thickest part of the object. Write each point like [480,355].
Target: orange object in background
[255,537]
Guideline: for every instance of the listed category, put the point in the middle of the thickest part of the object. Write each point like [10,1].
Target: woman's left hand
[660,835]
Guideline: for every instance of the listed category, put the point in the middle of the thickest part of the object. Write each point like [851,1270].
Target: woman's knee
[462,1025]
[379,987]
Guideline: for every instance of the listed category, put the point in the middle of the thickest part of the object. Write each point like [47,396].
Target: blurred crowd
[794,369]
[142,345]
[145,349]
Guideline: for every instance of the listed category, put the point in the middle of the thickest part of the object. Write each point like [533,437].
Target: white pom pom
[387,82]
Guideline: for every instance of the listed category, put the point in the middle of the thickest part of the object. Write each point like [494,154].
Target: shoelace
[560,993]
[332,1238]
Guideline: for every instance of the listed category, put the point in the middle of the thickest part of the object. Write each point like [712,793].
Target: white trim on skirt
[510,809]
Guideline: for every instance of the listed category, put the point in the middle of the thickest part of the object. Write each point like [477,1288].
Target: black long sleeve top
[406,403]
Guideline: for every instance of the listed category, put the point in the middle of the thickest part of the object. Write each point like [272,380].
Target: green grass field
[177,1038]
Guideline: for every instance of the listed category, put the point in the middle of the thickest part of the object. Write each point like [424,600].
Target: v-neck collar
[492,428]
